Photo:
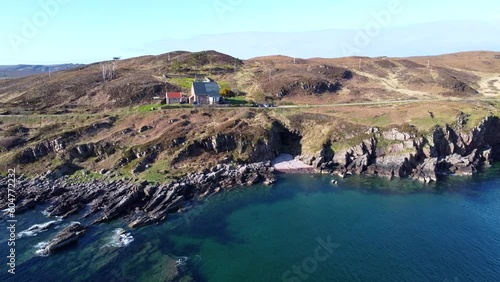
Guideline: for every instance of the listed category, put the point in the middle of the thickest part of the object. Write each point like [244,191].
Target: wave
[40,249]
[38,228]
[186,264]
[120,239]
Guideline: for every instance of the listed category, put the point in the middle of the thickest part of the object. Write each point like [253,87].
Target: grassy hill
[281,79]
[17,71]
[76,119]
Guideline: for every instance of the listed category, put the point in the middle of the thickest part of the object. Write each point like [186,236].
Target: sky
[85,31]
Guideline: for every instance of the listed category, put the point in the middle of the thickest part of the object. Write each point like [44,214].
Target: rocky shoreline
[138,204]
[445,151]
[389,154]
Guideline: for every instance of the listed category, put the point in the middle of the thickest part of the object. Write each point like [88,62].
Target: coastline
[389,154]
[301,186]
[298,171]
[287,164]
[138,204]
[69,197]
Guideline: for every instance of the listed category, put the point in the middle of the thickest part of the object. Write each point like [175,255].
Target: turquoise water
[301,229]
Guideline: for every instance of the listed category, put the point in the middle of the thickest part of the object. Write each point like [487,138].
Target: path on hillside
[393,84]
[489,85]
[395,102]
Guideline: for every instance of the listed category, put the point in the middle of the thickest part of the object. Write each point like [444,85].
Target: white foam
[62,226]
[40,249]
[120,239]
[26,233]
[126,239]
[38,228]
[181,262]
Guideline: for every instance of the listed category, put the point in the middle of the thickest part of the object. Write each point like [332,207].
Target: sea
[304,228]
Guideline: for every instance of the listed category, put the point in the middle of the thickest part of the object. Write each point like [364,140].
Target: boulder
[359,164]
[67,236]
[145,128]
[426,172]
[395,135]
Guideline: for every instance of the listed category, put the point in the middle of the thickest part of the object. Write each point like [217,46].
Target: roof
[206,88]
[174,95]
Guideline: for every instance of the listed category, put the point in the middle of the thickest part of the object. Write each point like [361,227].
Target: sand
[288,163]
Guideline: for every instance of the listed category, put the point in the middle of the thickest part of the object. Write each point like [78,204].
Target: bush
[176,66]
[198,59]
[226,93]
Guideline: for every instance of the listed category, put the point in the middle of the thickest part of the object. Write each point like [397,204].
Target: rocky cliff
[444,151]
[141,203]
[243,147]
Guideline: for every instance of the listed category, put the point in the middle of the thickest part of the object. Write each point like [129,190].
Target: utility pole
[114,63]
[103,72]
[210,65]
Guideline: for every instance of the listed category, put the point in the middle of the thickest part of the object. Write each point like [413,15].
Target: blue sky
[59,31]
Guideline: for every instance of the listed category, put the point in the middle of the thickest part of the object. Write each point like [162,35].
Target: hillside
[159,145]
[281,79]
[77,121]
[17,71]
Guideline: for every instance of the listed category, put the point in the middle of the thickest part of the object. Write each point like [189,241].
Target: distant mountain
[415,40]
[19,71]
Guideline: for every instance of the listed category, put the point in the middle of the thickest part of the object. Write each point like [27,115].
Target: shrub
[176,66]
[227,93]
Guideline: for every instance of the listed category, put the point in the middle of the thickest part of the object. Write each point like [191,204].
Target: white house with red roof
[175,98]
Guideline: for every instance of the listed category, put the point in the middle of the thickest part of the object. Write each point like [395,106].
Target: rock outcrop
[60,144]
[393,153]
[83,152]
[42,149]
[141,204]
[445,151]
[66,237]
[316,87]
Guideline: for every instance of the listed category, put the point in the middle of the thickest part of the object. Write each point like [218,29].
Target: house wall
[203,100]
[171,101]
